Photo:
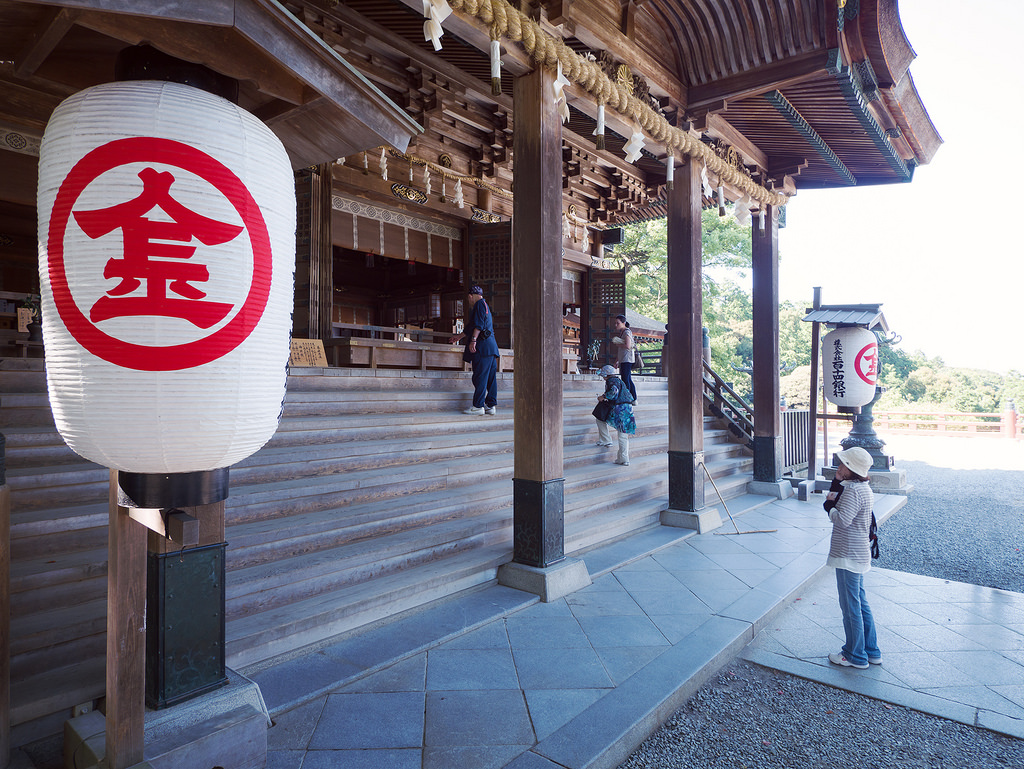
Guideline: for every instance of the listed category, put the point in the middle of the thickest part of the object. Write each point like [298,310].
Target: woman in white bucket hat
[849,505]
[614,407]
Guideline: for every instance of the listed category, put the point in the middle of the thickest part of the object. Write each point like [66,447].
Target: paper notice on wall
[307,352]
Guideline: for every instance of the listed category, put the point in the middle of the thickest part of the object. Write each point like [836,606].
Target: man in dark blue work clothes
[482,352]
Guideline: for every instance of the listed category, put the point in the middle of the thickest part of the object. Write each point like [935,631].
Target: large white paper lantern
[850,366]
[166,261]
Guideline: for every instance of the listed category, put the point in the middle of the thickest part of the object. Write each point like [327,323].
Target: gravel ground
[965,522]
[755,718]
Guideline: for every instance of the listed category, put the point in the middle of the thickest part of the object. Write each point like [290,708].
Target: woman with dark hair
[625,352]
[849,504]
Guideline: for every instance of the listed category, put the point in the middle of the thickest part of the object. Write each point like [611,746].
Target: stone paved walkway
[948,648]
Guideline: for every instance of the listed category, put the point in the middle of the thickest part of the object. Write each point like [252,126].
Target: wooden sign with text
[308,352]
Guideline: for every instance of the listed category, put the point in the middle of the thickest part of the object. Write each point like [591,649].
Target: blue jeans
[858,622]
[485,381]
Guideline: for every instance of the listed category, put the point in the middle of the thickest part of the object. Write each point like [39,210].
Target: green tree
[644,255]
[794,335]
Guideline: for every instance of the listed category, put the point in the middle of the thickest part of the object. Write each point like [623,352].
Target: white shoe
[492,410]
[604,443]
[622,462]
[474,411]
[838,658]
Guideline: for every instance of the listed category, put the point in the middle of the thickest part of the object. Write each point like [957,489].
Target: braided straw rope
[505,21]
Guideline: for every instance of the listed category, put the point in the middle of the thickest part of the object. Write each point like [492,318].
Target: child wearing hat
[849,505]
[615,408]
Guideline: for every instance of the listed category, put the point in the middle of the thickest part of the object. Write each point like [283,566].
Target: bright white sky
[944,253]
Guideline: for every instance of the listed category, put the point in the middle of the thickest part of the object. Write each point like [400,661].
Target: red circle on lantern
[868,360]
[172,153]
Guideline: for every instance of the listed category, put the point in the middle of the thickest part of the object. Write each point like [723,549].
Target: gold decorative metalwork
[479,215]
[445,161]
[624,77]
[405,192]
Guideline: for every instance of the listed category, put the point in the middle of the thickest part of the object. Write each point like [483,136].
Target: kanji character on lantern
[144,239]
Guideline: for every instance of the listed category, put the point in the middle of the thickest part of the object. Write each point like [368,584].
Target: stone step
[53,532]
[266,586]
[53,627]
[374,496]
[57,691]
[258,637]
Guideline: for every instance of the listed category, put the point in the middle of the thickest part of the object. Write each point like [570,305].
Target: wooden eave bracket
[285,49]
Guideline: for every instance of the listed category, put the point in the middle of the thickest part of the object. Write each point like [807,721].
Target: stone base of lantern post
[225,728]
[882,481]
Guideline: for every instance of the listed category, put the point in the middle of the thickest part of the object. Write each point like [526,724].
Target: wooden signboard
[24,318]
[307,352]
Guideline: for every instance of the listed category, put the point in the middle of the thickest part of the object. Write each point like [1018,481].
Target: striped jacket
[851,519]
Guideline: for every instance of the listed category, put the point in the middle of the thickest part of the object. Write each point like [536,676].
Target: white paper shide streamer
[635,145]
[561,81]
[166,260]
[435,12]
[742,210]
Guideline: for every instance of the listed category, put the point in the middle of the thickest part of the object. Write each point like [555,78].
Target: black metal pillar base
[185,624]
[538,522]
[768,452]
[686,480]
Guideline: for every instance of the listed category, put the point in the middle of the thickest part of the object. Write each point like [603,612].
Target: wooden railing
[725,403]
[652,361]
[951,423]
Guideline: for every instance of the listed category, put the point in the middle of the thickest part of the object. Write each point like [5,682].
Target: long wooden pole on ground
[126,636]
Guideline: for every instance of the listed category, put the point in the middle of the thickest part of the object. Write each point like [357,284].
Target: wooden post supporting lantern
[166,230]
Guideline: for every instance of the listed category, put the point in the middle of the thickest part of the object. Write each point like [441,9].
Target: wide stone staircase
[375,495]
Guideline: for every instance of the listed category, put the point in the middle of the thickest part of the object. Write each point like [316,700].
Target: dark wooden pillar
[537,315]
[683,348]
[5,612]
[314,254]
[768,449]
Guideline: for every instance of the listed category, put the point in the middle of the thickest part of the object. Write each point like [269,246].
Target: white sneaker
[838,658]
[604,443]
[492,410]
[474,411]
[621,462]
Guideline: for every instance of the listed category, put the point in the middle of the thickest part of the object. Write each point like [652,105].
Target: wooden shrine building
[504,153]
